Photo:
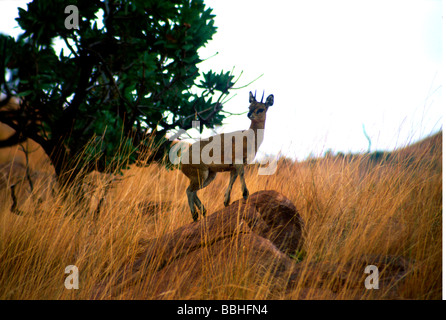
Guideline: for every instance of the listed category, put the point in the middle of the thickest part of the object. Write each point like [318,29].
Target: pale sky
[333,67]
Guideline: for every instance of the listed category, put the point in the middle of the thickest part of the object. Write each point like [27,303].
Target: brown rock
[13,184]
[244,235]
[18,183]
[284,224]
[320,278]
[237,249]
[256,215]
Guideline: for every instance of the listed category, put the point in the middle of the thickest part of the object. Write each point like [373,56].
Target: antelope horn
[263,94]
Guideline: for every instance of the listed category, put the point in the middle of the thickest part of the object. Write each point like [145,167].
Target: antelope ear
[251,97]
[269,101]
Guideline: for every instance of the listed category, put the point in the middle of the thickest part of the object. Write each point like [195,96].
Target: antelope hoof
[227,198]
[195,216]
[245,194]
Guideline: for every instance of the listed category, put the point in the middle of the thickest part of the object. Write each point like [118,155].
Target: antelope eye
[260,110]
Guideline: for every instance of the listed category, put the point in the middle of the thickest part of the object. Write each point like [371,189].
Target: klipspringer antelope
[224,152]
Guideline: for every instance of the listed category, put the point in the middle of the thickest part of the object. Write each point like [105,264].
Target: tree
[130,71]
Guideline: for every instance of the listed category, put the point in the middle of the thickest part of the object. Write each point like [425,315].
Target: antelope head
[257,110]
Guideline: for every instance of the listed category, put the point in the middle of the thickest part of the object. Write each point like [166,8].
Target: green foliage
[128,71]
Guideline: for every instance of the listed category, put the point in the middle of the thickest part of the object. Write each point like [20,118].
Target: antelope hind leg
[191,195]
[210,177]
[199,205]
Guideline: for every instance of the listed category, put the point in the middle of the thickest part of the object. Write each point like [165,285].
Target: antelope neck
[255,125]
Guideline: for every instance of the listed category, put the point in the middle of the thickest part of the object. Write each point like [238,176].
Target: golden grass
[350,208]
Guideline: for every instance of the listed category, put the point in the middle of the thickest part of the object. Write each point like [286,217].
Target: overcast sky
[334,67]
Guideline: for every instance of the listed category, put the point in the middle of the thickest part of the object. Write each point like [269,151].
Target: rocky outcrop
[261,231]
[277,221]
[18,183]
[254,239]
[14,185]
[331,280]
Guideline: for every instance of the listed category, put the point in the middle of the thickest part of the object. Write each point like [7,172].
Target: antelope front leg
[228,191]
[241,172]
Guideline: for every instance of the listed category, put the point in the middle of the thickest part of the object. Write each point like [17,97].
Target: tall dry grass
[351,206]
